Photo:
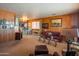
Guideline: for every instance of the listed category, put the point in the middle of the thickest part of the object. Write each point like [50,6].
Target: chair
[69,53]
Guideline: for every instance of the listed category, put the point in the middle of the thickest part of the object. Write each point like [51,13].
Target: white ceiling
[38,10]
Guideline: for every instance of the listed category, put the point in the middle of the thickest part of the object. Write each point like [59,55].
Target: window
[35,25]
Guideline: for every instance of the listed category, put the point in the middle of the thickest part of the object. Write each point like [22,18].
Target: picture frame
[56,22]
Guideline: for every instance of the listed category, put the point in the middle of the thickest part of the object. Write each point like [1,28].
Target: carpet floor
[26,46]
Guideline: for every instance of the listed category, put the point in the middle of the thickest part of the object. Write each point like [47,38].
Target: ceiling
[39,10]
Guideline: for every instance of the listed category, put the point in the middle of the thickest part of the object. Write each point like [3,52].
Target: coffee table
[41,49]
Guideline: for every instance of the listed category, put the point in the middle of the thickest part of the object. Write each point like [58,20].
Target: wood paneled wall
[7,34]
[66,22]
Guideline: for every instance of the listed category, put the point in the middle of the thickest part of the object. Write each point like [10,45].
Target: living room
[23,29]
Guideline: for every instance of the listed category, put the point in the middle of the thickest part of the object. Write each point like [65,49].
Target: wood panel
[66,22]
[7,34]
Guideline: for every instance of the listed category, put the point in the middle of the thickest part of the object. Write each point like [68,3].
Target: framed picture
[45,25]
[56,22]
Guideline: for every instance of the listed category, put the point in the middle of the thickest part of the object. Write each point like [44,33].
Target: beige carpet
[27,45]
